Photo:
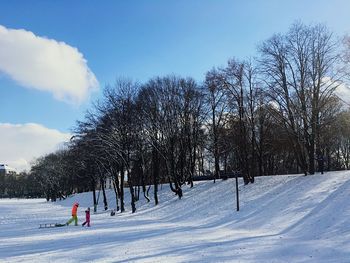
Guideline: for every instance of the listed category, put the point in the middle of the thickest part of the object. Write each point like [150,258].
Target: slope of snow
[289,218]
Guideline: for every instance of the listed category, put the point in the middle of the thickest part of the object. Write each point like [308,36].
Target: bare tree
[299,70]
[219,109]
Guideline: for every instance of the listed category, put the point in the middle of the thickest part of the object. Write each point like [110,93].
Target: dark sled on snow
[51,225]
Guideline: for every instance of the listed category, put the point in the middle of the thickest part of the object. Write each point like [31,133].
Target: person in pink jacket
[87,217]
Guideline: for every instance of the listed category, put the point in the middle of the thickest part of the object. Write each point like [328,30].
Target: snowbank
[289,218]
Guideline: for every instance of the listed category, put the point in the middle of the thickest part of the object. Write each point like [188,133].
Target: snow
[287,218]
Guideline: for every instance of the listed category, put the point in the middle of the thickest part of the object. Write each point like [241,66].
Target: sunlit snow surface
[282,219]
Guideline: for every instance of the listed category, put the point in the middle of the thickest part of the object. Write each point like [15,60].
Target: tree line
[277,113]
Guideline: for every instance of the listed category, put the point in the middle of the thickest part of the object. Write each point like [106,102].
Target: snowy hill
[282,219]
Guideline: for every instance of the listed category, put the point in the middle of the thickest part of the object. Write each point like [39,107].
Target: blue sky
[140,40]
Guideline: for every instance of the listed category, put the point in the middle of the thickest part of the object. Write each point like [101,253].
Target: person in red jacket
[74,215]
[87,217]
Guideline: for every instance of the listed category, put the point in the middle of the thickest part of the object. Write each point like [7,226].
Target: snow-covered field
[282,219]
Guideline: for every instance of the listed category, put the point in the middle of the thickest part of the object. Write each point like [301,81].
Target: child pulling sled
[74,215]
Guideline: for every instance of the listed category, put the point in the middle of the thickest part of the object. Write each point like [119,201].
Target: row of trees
[20,185]
[273,114]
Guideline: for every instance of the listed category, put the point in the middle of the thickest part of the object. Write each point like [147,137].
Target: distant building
[6,170]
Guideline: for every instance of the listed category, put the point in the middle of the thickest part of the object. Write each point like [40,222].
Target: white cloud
[20,144]
[343,92]
[45,64]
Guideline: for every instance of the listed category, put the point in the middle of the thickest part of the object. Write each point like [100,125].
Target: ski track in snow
[287,218]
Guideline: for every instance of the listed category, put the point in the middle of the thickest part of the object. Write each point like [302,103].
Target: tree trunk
[312,158]
[155,162]
[132,192]
[93,187]
[115,187]
[104,194]
[122,208]
[145,193]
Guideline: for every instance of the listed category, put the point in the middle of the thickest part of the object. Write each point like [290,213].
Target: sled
[51,225]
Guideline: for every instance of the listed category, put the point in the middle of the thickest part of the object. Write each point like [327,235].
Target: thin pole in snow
[237,194]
